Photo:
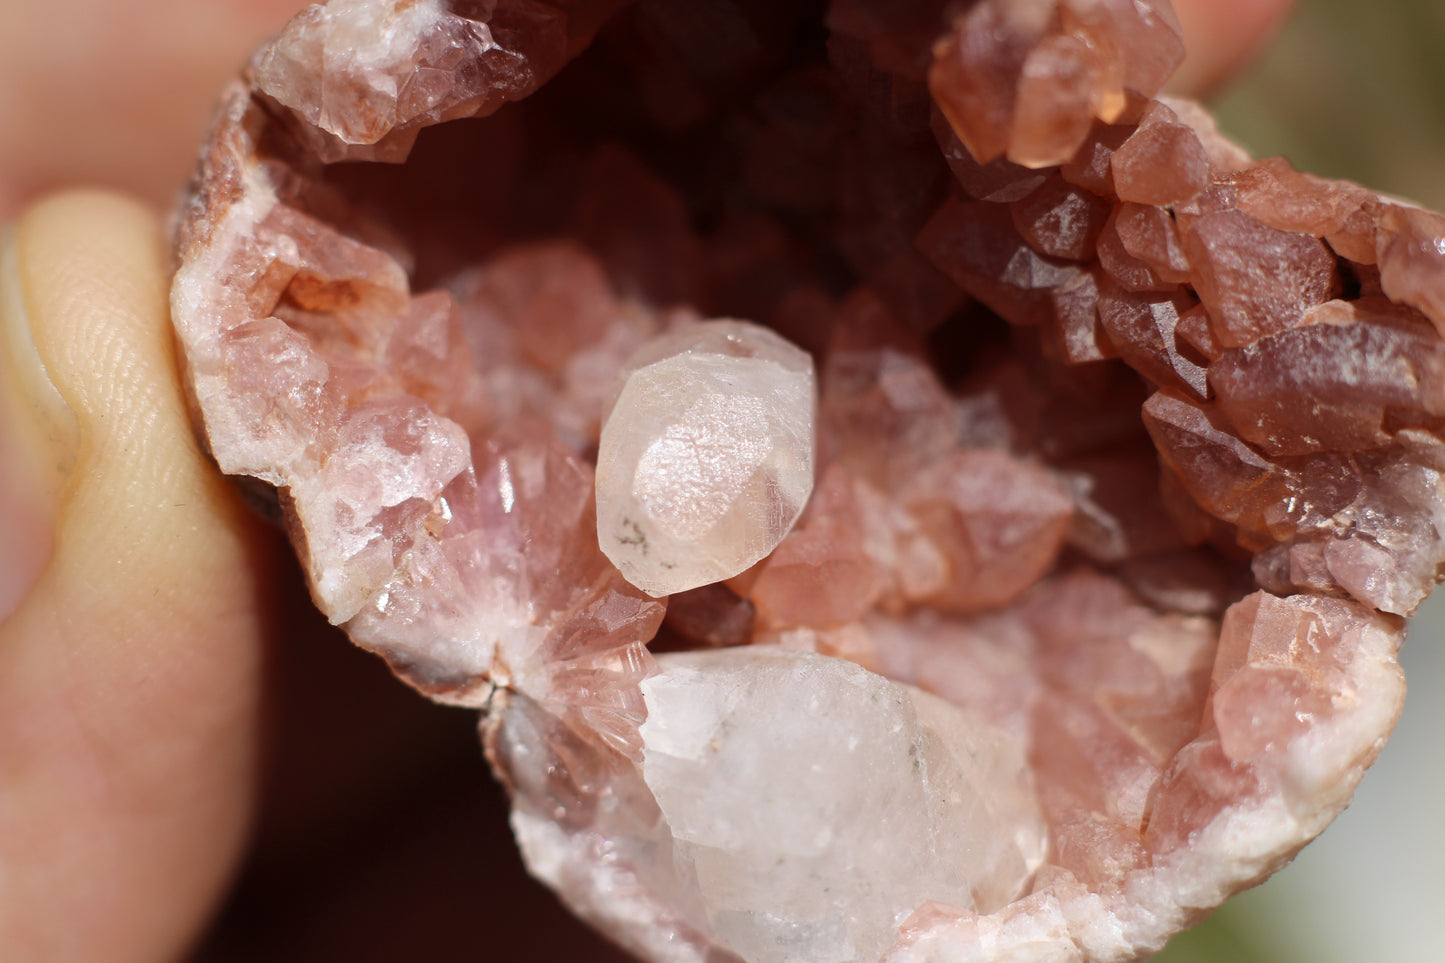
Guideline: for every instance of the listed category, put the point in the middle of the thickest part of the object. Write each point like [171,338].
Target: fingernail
[38,439]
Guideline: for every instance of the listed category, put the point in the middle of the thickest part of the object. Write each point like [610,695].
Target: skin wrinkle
[130,677]
[34,420]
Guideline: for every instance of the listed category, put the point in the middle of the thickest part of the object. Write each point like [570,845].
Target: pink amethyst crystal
[1127,464]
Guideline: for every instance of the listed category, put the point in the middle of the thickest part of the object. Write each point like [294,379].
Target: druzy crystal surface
[1125,467]
[706,457]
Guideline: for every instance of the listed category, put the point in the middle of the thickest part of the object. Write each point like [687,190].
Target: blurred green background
[1356,89]
[1352,88]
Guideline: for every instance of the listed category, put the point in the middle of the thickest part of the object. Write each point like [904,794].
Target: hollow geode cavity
[1128,449]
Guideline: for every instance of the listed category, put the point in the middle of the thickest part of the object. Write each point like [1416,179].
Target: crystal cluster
[1072,608]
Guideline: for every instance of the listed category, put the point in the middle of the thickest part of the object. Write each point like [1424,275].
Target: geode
[1124,473]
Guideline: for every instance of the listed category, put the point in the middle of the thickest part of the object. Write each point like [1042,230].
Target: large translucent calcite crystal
[1069,610]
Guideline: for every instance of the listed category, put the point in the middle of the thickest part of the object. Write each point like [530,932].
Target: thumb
[1221,39]
[130,669]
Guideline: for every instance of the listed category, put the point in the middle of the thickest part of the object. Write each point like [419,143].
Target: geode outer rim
[216,235]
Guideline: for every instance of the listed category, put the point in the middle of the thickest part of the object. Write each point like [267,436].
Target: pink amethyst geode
[1125,468]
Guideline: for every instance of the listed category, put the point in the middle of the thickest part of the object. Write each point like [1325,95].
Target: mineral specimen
[1126,464]
[746,784]
[706,458]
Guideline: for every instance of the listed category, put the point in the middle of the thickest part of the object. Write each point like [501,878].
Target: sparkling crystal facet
[706,458]
[1128,447]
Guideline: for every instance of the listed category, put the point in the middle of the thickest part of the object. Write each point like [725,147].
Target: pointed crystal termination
[706,458]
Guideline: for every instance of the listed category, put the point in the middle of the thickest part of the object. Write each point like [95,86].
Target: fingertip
[130,671]
[134,500]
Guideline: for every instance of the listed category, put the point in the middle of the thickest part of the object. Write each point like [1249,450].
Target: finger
[1221,37]
[116,92]
[129,673]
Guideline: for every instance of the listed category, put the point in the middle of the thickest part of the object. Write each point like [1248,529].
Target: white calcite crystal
[792,808]
[706,458]
[817,804]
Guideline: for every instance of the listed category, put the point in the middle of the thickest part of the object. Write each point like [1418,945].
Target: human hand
[131,666]
[116,94]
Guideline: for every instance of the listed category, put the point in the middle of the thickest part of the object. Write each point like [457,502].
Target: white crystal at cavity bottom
[815,805]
